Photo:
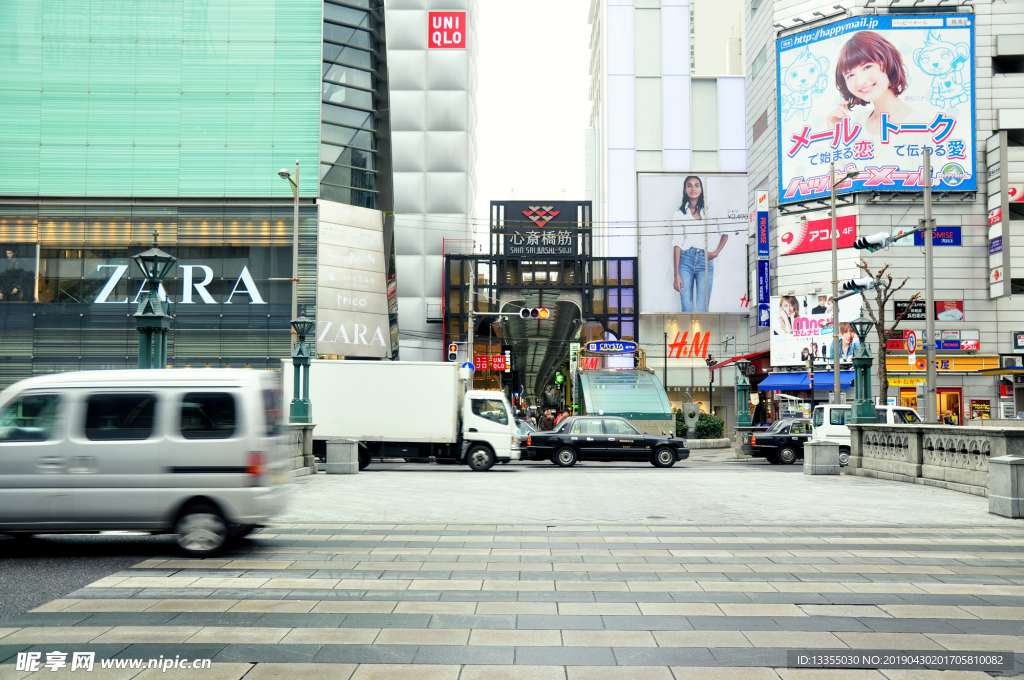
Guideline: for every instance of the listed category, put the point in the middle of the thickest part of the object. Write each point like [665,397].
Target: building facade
[666,90]
[432,72]
[979,313]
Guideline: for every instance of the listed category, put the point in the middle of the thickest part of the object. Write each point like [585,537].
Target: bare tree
[884,289]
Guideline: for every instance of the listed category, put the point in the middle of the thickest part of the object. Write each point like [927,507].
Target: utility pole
[664,377]
[836,346]
[931,402]
[471,267]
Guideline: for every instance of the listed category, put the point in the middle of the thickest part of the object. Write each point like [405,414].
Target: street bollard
[821,458]
[342,457]
[1006,486]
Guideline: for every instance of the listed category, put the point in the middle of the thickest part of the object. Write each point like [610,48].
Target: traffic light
[865,283]
[538,313]
[711,360]
[453,352]
[874,242]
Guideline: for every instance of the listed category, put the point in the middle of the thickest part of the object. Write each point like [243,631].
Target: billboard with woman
[869,94]
[802,329]
[693,243]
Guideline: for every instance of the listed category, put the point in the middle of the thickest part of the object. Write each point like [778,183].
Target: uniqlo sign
[498,362]
[447,30]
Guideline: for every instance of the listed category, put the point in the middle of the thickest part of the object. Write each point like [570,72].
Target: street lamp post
[835,273]
[863,409]
[742,394]
[283,173]
[152,316]
[301,410]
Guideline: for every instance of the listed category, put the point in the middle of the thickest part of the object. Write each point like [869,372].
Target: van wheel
[565,457]
[201,530]
[787,456]
[480,459]
[664,458]
[364,460]
[844,456]
[240,531]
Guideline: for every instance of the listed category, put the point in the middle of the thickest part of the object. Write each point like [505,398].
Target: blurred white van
[197,453]
[829,422]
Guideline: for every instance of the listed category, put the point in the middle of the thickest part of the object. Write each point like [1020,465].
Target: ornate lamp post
[152,317]
[863,409]
[301,410]
[742,394]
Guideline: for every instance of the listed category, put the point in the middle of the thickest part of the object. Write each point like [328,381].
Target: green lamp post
[742,394]
[863,409]
[301,410]
[152,316]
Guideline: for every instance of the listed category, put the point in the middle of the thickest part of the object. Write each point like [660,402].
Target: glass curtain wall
[354,152]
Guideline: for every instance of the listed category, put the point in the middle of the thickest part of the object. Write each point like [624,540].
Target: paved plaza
[603,600]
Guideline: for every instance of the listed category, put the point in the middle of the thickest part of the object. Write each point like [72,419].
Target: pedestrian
[548,423]
[533,417]
[561,416]
[948,419]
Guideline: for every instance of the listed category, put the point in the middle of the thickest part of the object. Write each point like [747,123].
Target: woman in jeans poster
[694,267]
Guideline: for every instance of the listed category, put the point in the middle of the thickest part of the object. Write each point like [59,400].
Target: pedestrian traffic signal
[538,313]
[453,352]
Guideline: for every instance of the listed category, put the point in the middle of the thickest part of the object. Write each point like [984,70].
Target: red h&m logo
[447,30]
[697,348]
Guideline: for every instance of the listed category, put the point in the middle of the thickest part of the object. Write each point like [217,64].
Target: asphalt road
[38,569]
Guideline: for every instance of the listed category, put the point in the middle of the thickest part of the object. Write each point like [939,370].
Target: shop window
[613,272]
[626,272]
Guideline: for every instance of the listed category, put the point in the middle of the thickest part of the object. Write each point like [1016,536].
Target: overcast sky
[532,105]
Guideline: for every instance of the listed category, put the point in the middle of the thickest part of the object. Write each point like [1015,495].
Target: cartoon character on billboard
[946,62]
[870,70]
[802,79]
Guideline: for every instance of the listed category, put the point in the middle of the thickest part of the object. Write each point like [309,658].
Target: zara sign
[191,286]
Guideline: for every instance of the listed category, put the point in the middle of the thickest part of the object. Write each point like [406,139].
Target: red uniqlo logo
[481,363]
[498,362]
[447,30]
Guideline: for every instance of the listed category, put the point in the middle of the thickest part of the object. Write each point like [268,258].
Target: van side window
[29,419]
[839,416]
[819,417]
[491,409]
[272,412]
[207,415]
[880,416]
[119,416]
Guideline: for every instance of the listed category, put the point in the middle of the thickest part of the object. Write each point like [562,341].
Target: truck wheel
[480,458]
[787,456]
[364,460]
[844,456]
[565,457]
[664,458]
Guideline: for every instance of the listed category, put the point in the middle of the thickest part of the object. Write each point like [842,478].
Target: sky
[532,102]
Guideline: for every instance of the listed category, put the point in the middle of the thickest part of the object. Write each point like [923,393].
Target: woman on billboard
[870,70]
[692,279]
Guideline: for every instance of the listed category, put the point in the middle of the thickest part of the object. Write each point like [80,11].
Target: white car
[197,453]
[829,422]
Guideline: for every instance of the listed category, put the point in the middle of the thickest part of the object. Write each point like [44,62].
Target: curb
[693,444]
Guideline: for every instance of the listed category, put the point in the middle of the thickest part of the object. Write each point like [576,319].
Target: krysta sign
[447,30]
[607,347]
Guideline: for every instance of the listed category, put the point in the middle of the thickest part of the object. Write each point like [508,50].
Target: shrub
[680,422]
[710,427]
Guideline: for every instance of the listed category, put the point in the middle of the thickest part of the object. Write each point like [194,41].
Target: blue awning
[799,381]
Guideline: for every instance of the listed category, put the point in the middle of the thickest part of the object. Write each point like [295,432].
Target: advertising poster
[869,94]
[693,243]
[17,272]
[802,329]
[814,235]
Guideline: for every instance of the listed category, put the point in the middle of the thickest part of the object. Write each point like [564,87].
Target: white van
[829,423]
[197,453]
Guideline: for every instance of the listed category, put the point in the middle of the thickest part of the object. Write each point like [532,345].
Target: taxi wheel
[565,457]
[664,458]
[772,458]
[787,456]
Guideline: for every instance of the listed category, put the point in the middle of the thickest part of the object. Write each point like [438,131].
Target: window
[819,416]
[29,419]
[491,409]
[908,417]
[587,426]
[272,412]
[616,426]
[207,415]
[759,61]
[839,416]
[801,428]
[777,426]
[119,416]
[880,415]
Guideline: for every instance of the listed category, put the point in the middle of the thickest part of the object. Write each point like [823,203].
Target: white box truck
[408,409]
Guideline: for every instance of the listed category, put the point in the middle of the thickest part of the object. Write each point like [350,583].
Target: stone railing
[947,456]
[300,448]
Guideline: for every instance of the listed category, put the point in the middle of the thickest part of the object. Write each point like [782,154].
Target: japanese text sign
[814,235]
[942,236]
[878,122]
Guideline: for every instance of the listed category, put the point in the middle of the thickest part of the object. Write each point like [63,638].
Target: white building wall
[433,132]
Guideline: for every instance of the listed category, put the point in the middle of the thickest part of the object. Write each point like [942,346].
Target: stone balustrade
[947,456]
[300,448]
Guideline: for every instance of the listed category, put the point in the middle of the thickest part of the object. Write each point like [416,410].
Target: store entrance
[951,400]
[908,397]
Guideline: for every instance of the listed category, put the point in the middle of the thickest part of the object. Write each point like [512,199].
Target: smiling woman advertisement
[870,93]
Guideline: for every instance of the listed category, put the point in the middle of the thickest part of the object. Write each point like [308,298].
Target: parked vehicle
[417,411]
[594,438]
[196,453]
[830,420]
[782,443]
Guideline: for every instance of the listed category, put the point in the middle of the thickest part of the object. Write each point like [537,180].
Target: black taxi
[782,443]
[603,438]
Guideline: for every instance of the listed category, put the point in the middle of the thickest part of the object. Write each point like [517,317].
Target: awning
[799,381]
[748,357]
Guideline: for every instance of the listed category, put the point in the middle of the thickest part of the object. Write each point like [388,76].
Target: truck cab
[488,429]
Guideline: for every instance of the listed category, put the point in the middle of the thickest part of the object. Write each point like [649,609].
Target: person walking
[533,418]
[548,423]
[561,416]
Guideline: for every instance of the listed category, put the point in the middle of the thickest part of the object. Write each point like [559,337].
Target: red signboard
[815,235]
[895,344]
[589,363]
[995,216]
[970,345]
[481,363]
[498,362]
[446,30]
